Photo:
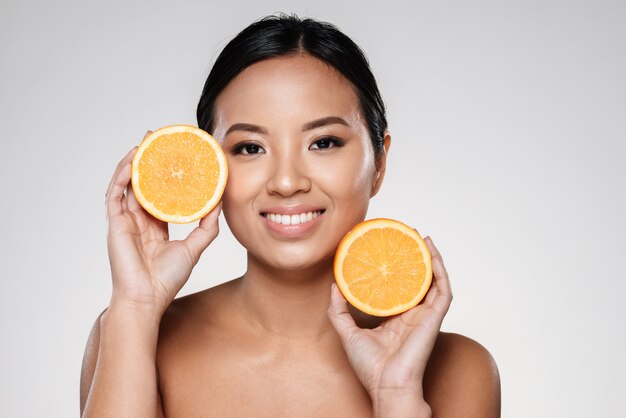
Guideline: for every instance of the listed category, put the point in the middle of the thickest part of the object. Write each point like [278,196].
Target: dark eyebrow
[247,127]
[329,120]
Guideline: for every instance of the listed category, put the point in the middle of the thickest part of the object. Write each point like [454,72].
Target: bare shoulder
[462,379]
[190,315]
[192,337]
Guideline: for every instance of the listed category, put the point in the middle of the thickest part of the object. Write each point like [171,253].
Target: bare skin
[278,341]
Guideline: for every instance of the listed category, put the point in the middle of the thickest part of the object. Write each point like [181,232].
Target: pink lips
[297,230]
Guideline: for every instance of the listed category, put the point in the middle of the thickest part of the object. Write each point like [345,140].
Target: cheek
[348,178]
[243,185]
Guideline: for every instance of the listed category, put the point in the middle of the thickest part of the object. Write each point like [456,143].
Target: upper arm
[90,359]
[462,379]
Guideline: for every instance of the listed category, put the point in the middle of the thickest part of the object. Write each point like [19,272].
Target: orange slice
[179,173]
[383,267]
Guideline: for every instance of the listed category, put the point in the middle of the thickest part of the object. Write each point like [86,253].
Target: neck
[289,304]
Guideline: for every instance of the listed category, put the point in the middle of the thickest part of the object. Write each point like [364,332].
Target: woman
[302,123]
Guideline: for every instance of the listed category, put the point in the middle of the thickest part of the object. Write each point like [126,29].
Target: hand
[391,358]
[148,269]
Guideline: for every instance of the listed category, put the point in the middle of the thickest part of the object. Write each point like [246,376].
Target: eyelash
[245,146]
[333,142]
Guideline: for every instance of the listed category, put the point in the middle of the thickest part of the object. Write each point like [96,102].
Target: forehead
[296,88]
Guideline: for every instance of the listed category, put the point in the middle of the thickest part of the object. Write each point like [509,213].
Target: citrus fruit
[383,267]
[179,173]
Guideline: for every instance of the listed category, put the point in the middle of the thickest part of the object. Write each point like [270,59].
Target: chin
[294,261]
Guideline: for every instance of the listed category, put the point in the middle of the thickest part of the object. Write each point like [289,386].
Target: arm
[120,357]
[461,380]
[89,362]
[391,360]
[119,376]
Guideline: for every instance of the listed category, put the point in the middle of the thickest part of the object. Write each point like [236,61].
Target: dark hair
[280,35]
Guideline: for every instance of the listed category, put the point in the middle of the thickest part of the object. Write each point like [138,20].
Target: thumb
[339,315]
[199,239]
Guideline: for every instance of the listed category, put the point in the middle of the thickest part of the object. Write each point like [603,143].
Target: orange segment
[383,267]
[179,173]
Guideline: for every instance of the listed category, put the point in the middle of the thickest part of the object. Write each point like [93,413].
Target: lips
[292,221]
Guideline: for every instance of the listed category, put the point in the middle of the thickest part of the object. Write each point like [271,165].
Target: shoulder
[192,337]
[462,378]
[459,350]
[192,313]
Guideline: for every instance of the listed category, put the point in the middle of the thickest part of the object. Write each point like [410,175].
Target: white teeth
[292,219]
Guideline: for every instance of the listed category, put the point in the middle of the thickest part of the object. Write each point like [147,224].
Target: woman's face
[301,164]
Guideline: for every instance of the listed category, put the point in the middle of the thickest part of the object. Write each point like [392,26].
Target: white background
[509,127]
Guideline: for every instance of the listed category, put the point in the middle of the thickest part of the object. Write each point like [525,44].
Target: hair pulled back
[280,35]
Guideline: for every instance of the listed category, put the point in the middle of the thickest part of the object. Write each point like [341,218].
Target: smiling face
[301,163]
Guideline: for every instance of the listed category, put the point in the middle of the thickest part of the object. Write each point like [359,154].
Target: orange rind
[383,267]
[179,173]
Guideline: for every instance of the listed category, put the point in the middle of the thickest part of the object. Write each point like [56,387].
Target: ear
[381,165]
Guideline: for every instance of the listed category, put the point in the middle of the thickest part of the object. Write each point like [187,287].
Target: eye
[248,149]
[326,143]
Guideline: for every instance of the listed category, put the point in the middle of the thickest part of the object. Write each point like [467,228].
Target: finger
[339,315]
[443,296]
[432,293]
[133,204]
[124,203]
[199,239]
[117,186]
[127,158]
[444,290]
[434,252]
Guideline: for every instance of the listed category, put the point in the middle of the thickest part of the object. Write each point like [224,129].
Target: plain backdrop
[509,127]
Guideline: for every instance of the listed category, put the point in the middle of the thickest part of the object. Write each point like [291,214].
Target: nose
[289,176]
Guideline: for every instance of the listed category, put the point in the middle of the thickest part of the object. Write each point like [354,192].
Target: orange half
[383,267]
[179,173]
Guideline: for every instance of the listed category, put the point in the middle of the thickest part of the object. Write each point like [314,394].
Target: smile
[295,219]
